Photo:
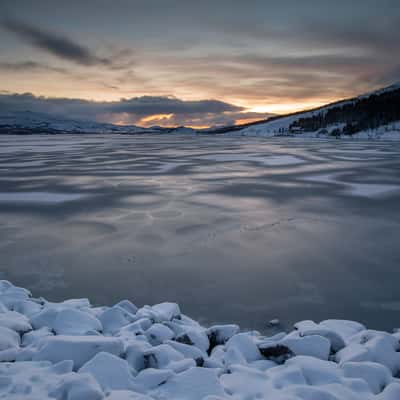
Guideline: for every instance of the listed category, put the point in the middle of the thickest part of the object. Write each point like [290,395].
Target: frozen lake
[233,229]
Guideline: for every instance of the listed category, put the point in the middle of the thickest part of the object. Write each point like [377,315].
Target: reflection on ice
[283,159]
[354,188]
[39,197]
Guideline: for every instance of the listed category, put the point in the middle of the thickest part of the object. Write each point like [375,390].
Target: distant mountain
[28,122]
[372,115]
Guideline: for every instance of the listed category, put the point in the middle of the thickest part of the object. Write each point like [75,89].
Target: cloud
[54,43]
[31,66]
[145,110]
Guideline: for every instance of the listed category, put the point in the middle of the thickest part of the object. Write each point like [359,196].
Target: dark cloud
[53,43]
[165,110]
[31,66]
[258,54]
[166,105]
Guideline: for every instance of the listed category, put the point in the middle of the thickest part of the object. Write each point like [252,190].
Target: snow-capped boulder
[245,345]
[127,306]
[15,321]
[126,395]
[193,384]
[114,318]
[111,372]
[77,387]
[79,349]
[8,338]
[26,307]
[196,337]
[313,345]
[220,334]
[135,328]
[33,337]
[158,334]
[162,312]
[166,311]
[44,318]
[189,351]
[161,356]
[377,376]
[75,322]
[151,378]
[136,354]
[308,328]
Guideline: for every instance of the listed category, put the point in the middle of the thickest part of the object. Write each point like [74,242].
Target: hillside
[372,115]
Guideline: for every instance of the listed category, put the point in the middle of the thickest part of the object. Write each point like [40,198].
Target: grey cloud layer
[257,52]
[53,43]
[132,110]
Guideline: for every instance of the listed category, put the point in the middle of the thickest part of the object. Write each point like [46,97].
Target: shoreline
[73,350]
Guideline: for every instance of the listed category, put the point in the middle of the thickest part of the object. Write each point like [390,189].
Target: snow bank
[73,351]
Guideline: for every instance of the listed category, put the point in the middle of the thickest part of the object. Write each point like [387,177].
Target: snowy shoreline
[74,351]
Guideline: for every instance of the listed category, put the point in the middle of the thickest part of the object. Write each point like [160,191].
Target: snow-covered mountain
[371,115]
[28,122]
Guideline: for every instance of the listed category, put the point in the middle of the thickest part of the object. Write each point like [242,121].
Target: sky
[195,63]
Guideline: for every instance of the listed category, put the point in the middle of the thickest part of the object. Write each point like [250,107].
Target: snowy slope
[74,351]
[281,126]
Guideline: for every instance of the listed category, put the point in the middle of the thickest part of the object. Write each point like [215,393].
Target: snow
[75,322]
[8,338]
[73,351]
[79,349]
[110,371]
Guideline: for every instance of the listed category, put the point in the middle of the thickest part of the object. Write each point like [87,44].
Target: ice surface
[39,197]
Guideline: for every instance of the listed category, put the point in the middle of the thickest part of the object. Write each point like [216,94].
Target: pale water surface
[233,229]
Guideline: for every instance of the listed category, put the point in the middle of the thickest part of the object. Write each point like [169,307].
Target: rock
[313,345]
[220,334]
[75,322]
[8,339]
[244,343]
[277,353]
[158,334]
[114,318]
[111,372]
[127,306]
[79,349]
[161,356]
[136,354]
[151,378]
[196,337]
[15,321]
[77,387]
[193,384]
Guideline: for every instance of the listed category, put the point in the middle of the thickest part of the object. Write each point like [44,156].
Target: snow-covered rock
[111,372]
[75,322]
[8,338]
[79,349]
[159,333]
[15,321]
[194,384]
[115,318]
[73,351]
